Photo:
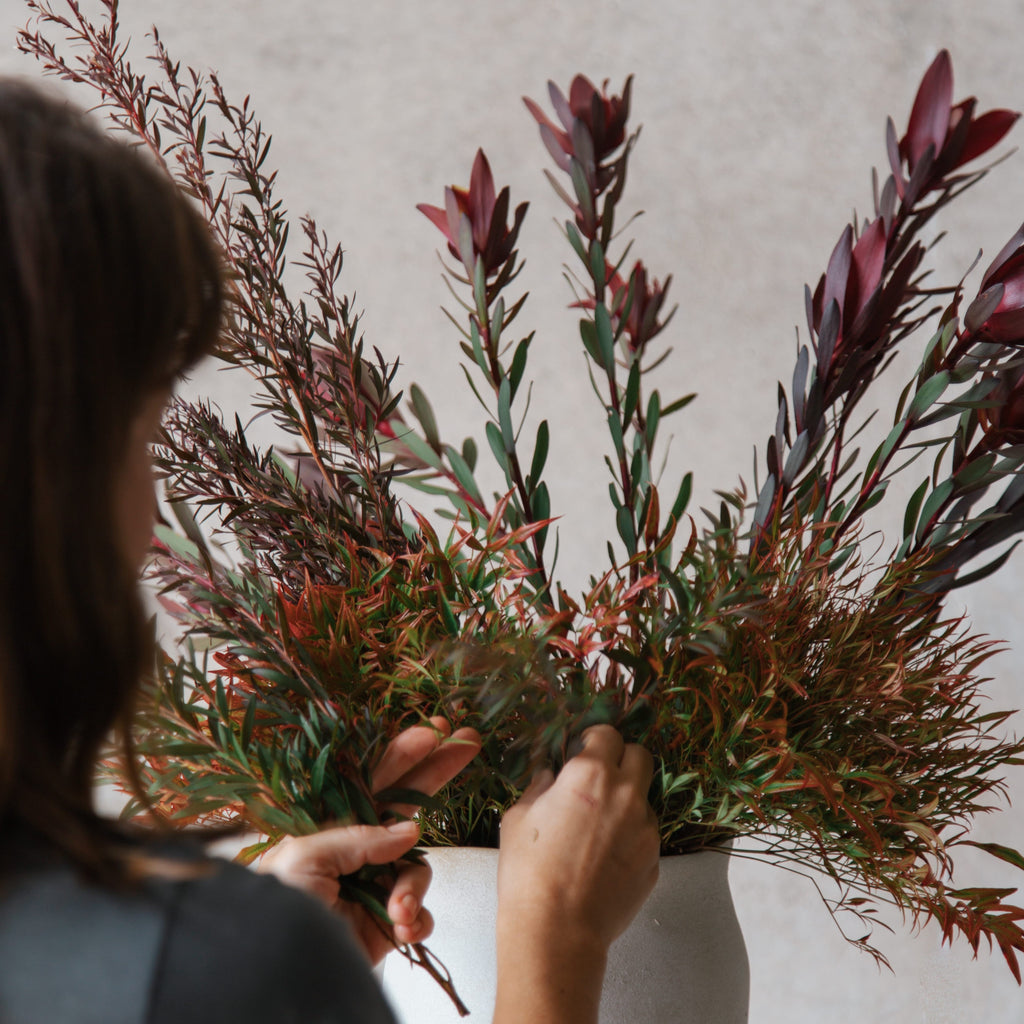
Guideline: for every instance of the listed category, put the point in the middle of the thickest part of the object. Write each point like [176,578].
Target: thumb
[344,850]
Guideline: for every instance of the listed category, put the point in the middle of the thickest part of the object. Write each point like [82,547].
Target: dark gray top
[228,946]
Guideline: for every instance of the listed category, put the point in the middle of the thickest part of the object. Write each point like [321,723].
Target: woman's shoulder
[201,940]
[251,948]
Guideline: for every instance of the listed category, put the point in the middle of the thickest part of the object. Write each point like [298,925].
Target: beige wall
[761,123]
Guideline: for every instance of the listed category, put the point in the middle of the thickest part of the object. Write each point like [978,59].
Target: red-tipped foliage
[474,220]
[1002,293]
[941,137]
[603,116]
[644,300]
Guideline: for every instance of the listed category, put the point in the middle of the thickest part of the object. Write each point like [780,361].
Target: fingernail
[410,903]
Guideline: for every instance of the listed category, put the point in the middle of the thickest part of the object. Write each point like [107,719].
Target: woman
[110,289]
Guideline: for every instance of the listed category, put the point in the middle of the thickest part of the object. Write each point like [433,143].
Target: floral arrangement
[792,688]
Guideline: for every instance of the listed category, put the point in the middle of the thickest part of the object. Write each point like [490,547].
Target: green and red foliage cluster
[793,691]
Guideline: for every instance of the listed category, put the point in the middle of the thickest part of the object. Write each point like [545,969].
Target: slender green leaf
[605,338]
[425,414]
[505,415]
[540,452]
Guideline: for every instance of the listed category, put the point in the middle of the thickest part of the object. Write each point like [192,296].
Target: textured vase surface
[682,961]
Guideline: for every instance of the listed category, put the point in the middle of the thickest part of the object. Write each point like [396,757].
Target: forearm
[548,982]
[579,855]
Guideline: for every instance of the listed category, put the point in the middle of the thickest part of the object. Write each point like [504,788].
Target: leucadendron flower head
[588,109]
[941,136]
[997,315]
[634,305]
[475,221]
[1003,419]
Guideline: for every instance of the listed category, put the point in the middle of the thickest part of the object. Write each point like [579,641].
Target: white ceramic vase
[682,961]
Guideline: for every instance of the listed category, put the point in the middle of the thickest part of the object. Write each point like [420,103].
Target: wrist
[548,973]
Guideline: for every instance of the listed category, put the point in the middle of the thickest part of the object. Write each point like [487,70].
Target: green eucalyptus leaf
[588,332]
[987,569]
[605,338]
[913,508]
[881,454]
[480,292]
[976,473]
[927,394]
[934,502]
[515,374]
[597,266]
[682,497]
[624,524]
[632,393]
[540,452]
[508,436]
[420,448]
[463,474]
[497,322]
[316,777]
[795,459]
[679,403]
[540,508]
[425,414]
[179,545]
[494,439]
[653,419]
[764,501]
[573,234]
[478,348]
[451,623]
[876,495]
[615,429]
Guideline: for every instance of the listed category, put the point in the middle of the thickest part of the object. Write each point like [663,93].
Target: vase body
[682,961]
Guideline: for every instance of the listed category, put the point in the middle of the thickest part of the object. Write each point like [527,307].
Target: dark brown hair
[110,288]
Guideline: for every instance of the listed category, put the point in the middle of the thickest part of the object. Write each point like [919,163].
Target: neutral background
[761,123]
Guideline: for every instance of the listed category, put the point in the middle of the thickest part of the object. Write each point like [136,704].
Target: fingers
[412,922]
[637,765]
[603,742]
[424,758]
[305,861]
[579,853]
[441,766]
[407,750]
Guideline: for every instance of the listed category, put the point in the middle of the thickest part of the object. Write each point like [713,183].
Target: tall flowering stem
[474,222]
[868,301]
[590,144]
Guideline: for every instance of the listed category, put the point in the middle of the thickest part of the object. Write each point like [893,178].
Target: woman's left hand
[421,758]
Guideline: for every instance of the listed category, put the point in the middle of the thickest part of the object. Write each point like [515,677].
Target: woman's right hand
[579,855]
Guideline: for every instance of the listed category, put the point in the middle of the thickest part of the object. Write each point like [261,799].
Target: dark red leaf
[929,117]
[838,269]
[868,263]
[1015,242]
[985,132]
[581,96]
[436,215]
[553,131]
[561,105]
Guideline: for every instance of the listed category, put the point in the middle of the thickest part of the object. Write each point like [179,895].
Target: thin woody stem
[515,469]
